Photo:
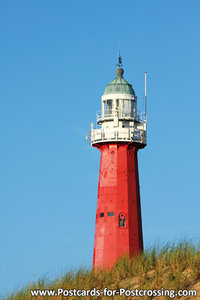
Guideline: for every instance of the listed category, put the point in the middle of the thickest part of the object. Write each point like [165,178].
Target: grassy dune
[170,267]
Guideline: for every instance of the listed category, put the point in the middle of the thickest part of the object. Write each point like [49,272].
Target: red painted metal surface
[118,193]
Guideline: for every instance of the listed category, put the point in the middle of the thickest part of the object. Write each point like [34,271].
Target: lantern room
[118,118]
[119,99]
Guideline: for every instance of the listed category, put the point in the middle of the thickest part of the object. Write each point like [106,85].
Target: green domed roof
[119,85]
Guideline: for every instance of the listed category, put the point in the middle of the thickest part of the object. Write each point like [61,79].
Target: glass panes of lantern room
[122,107]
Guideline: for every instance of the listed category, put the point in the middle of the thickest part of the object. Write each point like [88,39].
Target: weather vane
[119,64]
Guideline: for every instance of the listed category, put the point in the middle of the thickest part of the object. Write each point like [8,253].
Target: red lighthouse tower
[119,136]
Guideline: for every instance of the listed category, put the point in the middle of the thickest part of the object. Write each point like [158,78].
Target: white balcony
[101,135]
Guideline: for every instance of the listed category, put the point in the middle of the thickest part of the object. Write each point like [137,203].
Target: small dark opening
[122,220]
[110,214]
[101,215]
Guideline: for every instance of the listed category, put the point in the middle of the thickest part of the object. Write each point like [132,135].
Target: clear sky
[56,58]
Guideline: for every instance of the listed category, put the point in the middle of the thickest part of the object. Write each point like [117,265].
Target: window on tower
[128,108]
[117,107]
[110,214]
[107,108]
[122,220]
[132,109]
[117,104]
[101,215]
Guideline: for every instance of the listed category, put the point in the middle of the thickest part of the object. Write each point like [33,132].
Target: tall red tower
[119,136]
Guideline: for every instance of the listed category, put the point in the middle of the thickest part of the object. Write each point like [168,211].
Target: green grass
[170,267]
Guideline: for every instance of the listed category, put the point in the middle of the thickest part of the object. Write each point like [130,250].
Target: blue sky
[56,58]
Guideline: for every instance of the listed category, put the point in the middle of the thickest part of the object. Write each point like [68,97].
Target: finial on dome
[119,70]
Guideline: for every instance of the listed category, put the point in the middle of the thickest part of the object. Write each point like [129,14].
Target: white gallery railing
[122,134]
[110,114]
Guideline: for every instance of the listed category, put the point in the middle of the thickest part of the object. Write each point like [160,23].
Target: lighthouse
[120,133]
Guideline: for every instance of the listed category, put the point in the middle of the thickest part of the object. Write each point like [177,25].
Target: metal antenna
[145,93]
